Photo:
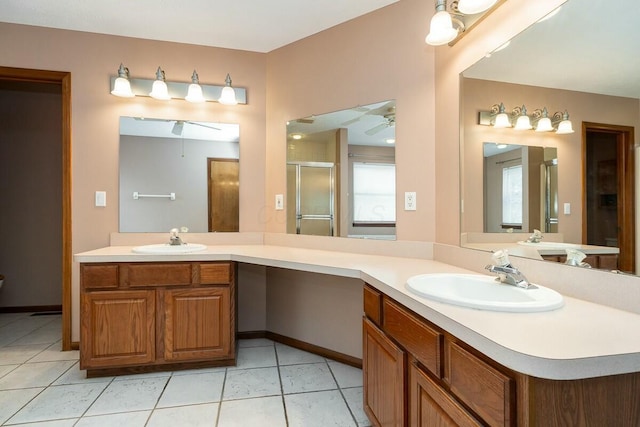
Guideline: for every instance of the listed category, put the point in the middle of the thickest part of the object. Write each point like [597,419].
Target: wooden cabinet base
[156,316]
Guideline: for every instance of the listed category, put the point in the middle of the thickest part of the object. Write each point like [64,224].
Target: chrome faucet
[507,273]
[174,239]
[535,237]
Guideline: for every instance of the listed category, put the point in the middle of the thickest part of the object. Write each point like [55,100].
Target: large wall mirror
[341,173]
[564,64]
[178,173]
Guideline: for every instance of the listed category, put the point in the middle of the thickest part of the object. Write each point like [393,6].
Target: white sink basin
[165,248]
[550,245]
[484,293]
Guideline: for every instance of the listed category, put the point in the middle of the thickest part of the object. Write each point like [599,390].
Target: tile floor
[272,385]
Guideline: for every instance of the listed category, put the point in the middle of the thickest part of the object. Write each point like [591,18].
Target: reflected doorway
[224,200]
[609,193]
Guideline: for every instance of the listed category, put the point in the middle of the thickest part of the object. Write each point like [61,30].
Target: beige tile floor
[272,385]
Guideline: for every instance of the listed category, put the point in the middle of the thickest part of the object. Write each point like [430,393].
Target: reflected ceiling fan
[178,126]
[387,111]
[389,120]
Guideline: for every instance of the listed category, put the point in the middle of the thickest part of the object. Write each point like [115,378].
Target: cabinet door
[198,324]
[118,328]
[431,406]
[383,367]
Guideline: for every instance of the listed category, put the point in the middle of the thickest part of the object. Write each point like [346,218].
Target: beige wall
[376,57]
[480,95]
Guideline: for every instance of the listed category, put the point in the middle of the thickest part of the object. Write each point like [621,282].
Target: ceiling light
[159,89]
[228,95]
[390,140]
[296,136]
[441,30]
[471,7]
[122,87]
[195,90]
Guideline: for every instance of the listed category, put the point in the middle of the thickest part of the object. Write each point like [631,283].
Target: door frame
[62,79]
[626,195]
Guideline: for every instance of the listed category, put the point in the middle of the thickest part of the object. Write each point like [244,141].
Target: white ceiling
[253,25]
[589,46]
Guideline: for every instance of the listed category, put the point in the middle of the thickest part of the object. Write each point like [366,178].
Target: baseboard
[31,308]
[305,346]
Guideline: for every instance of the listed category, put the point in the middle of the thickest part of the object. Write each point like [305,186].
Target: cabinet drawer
[372,304]
[484,389]
[423,342]
[99,276]
[215,274]
[148,274]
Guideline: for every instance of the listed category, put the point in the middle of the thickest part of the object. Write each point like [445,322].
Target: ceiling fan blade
[178,128]
[377,129]
[350,122]
[204,126]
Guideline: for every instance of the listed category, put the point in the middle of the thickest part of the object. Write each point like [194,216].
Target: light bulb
[159,89]
[441,30]
[471,7]
[228,95]
[122,86]
[195,90]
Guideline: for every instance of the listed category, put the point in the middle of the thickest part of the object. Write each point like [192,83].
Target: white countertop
[580,340]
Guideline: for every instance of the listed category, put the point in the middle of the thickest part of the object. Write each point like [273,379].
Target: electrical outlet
[410,201]
[279,202]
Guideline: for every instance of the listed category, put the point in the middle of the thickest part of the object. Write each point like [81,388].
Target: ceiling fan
[389,120]
[178,126]
[385,110]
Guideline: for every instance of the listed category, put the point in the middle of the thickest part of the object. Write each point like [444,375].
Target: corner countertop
[580,340]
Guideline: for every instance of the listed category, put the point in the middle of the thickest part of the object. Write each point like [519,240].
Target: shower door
[311,185]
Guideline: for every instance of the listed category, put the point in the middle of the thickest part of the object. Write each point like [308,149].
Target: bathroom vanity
[424,362]
[417,374]
[145,316]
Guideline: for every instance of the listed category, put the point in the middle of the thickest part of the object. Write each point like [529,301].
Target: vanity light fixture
[451,20]
[124,86]
[228,95]
[471,7]
[441,29]
[121,86]
[539,120]
[195,91]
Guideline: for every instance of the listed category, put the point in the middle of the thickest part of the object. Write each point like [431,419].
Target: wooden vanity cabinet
[415,374]
[137,317]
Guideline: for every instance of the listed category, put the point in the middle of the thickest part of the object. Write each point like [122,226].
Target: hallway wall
[31,194]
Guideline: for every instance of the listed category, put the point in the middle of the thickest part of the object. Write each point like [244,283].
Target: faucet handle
[501,258]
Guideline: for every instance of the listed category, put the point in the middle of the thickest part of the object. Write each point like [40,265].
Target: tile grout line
[224,383]
[284,405]
[341,393]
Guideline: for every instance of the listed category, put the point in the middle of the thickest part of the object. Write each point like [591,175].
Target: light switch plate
[567,208]
[101,199]
[410,201]
[279,202]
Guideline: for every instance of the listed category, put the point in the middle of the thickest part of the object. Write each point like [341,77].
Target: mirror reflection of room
[520,188]
[341,173]
[178,173]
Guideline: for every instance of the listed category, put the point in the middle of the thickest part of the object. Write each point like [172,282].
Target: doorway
[224,199]
[63,80]
[608,166]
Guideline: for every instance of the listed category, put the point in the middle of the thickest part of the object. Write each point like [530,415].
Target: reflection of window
[374,192]
[512,195]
